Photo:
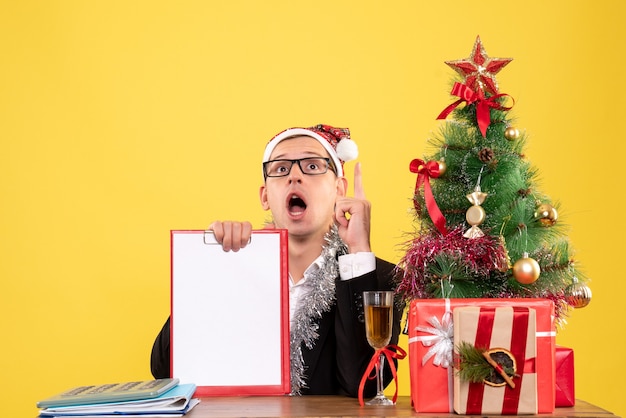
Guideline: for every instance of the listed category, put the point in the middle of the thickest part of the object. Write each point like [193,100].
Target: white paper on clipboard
[230,314]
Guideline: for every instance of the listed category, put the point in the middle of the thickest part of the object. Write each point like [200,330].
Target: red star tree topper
[479,70]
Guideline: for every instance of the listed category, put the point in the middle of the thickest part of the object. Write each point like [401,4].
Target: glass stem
[379,381]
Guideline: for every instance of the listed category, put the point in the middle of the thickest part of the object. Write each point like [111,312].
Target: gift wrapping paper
[564,364]
[507,327]
[431,344]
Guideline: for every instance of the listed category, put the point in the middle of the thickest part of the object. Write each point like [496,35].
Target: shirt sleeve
[355,265]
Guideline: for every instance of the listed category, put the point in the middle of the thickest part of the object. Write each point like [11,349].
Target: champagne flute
[378,306]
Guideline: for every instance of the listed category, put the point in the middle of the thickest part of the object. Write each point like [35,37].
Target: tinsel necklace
[319,298]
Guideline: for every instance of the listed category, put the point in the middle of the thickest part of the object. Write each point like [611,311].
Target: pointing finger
[359,193]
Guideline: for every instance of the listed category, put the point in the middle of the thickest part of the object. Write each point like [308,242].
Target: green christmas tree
[484,229]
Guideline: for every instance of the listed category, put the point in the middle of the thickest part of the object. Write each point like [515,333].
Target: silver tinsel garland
[319,299]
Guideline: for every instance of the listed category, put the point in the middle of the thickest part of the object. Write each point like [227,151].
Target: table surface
[337,406]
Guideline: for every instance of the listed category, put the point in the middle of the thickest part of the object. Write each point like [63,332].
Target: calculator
[112,392]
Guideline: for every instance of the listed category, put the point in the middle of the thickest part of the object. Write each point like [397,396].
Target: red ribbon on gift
[529,365]
[424,172]
[483,105]
[374,364]
[518,349]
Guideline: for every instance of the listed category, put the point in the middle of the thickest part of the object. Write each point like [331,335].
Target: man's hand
[353,217]
[232,235]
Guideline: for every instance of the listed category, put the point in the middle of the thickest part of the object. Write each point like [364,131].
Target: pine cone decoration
[486,155]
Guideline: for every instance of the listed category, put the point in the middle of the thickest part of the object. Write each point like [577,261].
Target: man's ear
[263,196]
[342,186]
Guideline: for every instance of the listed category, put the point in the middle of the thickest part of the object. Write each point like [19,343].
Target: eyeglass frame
[329,164]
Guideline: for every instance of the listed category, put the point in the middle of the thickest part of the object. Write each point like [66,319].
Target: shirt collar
[316,265]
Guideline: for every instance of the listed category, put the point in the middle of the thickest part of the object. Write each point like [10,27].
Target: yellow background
[121,120]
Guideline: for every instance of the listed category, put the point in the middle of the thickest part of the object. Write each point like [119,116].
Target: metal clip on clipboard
[209,238]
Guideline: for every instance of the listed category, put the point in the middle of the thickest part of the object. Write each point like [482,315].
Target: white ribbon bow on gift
[440,341]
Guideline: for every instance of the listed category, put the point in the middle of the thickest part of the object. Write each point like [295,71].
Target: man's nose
[295,174]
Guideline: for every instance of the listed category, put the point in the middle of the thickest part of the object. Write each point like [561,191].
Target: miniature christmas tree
[484,229]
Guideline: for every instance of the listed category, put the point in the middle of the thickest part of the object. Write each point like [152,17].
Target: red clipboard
[230,314]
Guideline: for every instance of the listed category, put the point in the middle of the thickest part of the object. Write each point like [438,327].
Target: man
[330,260]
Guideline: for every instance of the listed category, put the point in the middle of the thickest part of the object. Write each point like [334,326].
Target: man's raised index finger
[359,193]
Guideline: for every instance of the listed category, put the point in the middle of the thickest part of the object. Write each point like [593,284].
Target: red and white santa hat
[335,140]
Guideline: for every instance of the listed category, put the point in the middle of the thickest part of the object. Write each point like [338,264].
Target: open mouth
[296,205]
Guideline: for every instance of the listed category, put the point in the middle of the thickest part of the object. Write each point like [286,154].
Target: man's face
[303,204]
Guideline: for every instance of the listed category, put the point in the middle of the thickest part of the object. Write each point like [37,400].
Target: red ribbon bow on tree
[483,105]
[424,172]
[374,364]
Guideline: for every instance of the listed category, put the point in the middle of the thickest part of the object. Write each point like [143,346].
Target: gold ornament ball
[579,295]
[442,167]
[511,133]
[526,270]
[546,214]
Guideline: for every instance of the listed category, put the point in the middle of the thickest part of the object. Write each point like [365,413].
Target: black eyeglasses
[311,166]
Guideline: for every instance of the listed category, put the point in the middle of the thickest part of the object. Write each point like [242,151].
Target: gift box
[564,368]
[506,336]
[431,345]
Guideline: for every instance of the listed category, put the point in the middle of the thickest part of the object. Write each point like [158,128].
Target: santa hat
[335,140]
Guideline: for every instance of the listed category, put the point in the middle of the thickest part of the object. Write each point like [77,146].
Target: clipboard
[230,314]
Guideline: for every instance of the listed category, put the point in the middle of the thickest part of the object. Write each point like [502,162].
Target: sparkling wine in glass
[378,306]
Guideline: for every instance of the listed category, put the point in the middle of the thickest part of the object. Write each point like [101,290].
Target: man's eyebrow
[305,155]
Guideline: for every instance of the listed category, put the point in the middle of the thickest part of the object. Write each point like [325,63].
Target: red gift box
[505,327]
[431,344]
[564,362]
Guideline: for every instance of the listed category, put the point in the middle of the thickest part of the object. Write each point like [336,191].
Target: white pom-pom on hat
[347,150]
